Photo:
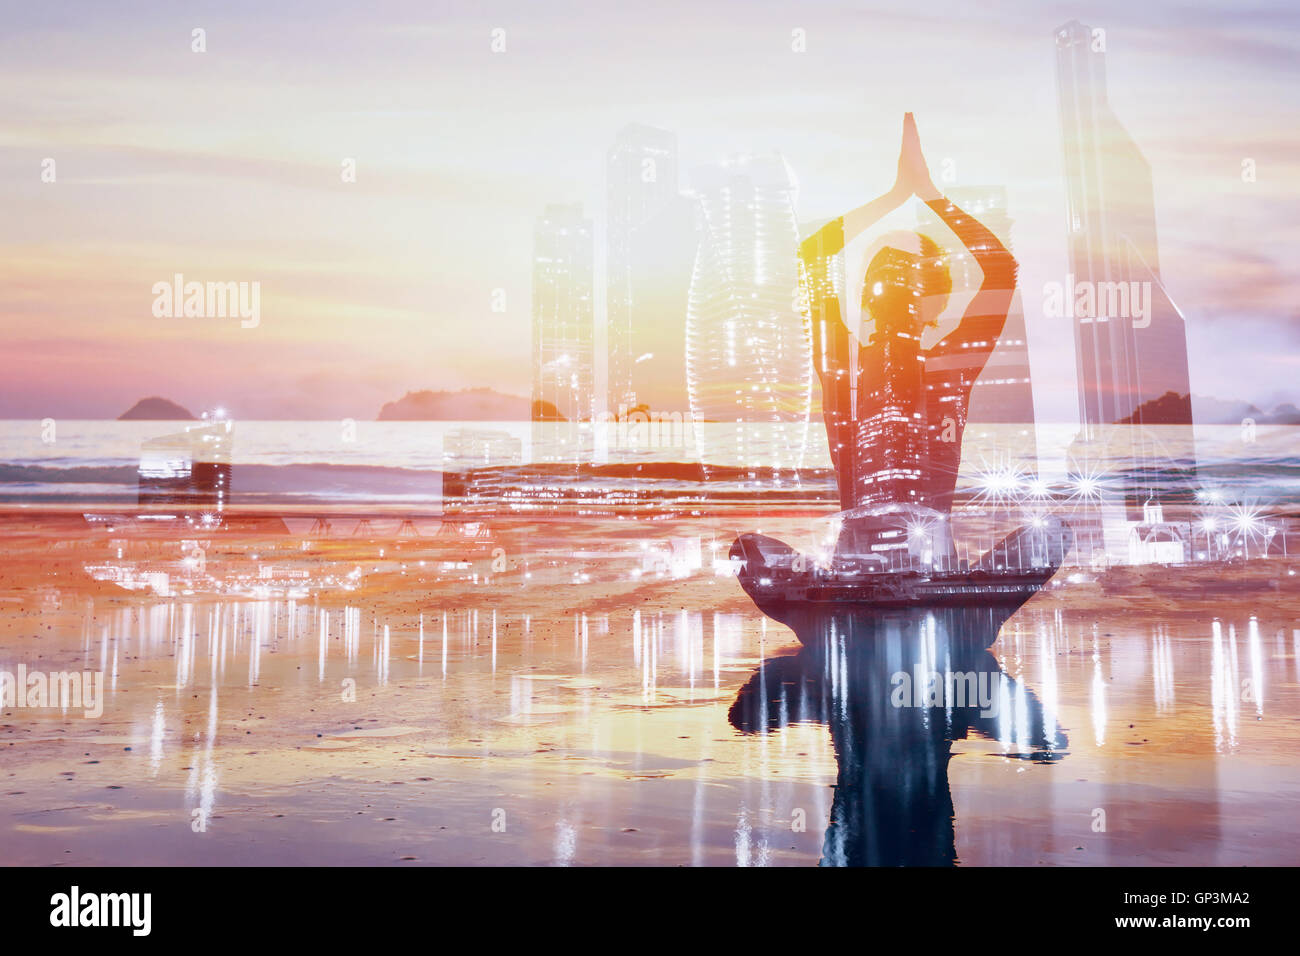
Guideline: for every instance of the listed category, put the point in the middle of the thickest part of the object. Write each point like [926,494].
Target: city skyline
[369,286]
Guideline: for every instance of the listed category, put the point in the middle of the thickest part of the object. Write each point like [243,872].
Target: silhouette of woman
[894,418]
[895,412]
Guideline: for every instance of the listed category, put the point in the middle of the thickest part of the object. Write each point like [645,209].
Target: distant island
[1169,409]
[467,405]
[1213,411]
[1174,409]
[155,409]
[543,411]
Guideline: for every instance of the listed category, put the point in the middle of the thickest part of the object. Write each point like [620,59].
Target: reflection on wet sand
[896,688]
[649,718]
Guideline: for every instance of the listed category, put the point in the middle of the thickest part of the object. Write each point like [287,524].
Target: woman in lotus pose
[895,412]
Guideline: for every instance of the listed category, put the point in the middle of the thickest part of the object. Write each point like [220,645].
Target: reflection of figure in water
[892,805]
[894,423]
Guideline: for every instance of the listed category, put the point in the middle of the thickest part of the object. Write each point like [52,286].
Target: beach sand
[568,702]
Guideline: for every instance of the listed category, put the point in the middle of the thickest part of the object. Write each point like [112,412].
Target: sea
[402,463]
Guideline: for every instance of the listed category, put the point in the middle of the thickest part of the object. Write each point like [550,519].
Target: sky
[226,165]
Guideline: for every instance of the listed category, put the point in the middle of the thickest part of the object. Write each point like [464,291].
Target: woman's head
[906,271]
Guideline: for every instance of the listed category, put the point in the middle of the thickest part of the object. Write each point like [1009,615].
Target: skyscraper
[895,411]
[562,323]
[650,237]
[1003,393]
[748,354]
[1125,361]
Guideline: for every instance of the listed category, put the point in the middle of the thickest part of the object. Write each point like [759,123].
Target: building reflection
[872,678]
[1161,714]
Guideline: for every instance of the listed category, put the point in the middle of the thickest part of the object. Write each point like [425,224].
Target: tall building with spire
[650,240]
[1125,361]
[563,323]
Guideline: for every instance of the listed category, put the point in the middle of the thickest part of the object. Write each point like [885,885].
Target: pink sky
[225,166]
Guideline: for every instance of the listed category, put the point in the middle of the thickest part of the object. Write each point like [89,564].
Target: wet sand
[577,709]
